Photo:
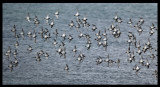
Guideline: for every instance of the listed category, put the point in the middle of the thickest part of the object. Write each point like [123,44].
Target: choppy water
[51,71]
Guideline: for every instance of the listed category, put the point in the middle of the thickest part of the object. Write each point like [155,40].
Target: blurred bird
[22,33]
[57,13]
[94,27]
[99,60]
[14,30]
[28,17]
[136,68]
[11,66]
[75,50]
[66,68]
[147,63]
[56,33]
[71,24]
[30,48]
[70,38]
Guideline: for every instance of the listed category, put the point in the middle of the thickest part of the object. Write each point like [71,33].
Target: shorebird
[118,33]
[52,24]
[66,68]
[22,33]
[115,18]
[38,57]
[98,38]
[130,22]
[87,25]
[155,74]
[29,34]
[14,30]
[41,53]
[77,14]
[105,38]
[112,27]
[99,43]
[36,18]
[141,21]
[11,66]
[139,29]
[129,41]
[75,50]
[138,45]
[148,43]
[59,51]
[71,24]
[55,42]
[99,60]
[17,36]
[152,27]
[16,44]
[98,33]
[89,41]
[46,55]
[105,44]
[77,27]
[139,51]
[147,63]
[81,57]
[118,61]
[94,27]
[80,35]
[46,31]
[119,20]
[28,17]
[141,61]
[15,61]
[79,21]
[41,32]
[130,35]
[47,36]
[62,44]
[9,49]
[36,21]
[64,35]
[105,33]
[88,46]
[131,57]
[145,48]
[70,38]
[136,68]
[85,18]
[57,13]
[34,36]
[128,51]
[151,32]
[47,18]
[108,60]
[30,48]
[63,52]
[56,33]
[8,53]
[152,56]
[134,41]
[15,53]
[87,36]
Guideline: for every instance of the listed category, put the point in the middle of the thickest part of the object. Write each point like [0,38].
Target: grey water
[51,71]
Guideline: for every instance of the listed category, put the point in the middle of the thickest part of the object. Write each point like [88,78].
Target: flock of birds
[101,39]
